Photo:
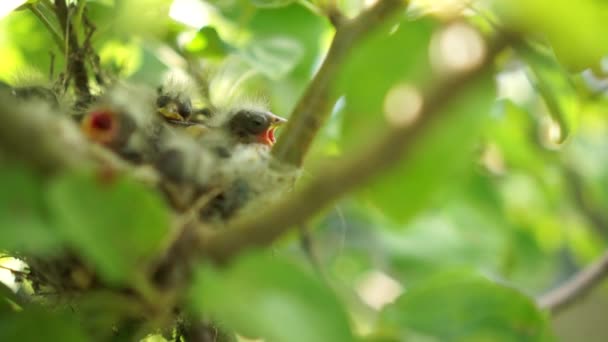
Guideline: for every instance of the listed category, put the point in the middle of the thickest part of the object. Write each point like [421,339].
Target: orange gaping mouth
[267,137]
[100,126]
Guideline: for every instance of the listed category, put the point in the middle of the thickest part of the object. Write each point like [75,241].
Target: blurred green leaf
[22,31]
[396,52]
[23,222]
[295,23]
[553,83]
[34,325]
[273,56]
[125,58]
[267,297]
[271,3]
[207,42]
[573,29]
[459,306]
[444,154]
[513,131]
[115,224]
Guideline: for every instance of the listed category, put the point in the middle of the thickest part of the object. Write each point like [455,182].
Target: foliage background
[495,193]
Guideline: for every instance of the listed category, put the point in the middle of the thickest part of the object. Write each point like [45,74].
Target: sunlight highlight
[457,48]
[377,289]
[190,12]
[7,6]
[402,105]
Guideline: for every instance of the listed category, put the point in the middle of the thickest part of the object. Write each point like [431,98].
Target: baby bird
[124,120]
[251,125]
[174,107]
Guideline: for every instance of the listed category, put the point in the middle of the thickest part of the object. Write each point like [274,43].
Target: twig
[583,282]
[397,144]
[314,107]
[13,270]
[575,288]
[75,55]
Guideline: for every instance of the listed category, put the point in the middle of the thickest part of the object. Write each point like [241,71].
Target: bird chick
[174,107]
[254,126]
[123,120]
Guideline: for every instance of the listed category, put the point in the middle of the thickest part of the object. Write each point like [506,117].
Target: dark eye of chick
[162,100]
[184,108]
[250,122]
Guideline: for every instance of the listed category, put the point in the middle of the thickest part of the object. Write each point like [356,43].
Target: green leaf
[294,23]
[512,130]
[33,325]
[273,56]
[23,223]
[208,43]
[271,3]
[115,224]
[459,306]
[440,155]
[396,52]
[270,298]
[574,31]
[553,83]
[444,153]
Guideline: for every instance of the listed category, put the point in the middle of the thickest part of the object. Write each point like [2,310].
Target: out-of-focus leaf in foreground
[34,325]
[573,29]
[461,306]
[444,152]
[115,224]
[23,226]
[261,296]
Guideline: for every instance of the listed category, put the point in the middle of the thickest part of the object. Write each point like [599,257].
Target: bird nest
[210,163]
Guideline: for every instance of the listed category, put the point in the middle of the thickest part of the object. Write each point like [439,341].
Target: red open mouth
[267,137]
[100,126]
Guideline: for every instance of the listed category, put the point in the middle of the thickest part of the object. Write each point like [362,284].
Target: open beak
[267,137]
[101,126]
[170,113]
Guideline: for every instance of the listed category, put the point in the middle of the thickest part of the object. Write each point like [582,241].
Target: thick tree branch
[334,181]
[575,288]
[315,105]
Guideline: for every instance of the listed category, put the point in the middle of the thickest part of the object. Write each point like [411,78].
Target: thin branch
[75,55]
[575,288]
[315,105]
[397,144]
[583,282]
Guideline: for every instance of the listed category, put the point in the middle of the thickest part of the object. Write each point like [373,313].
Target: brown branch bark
[336,180]
[315,105]
[75,54]
[575,288]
